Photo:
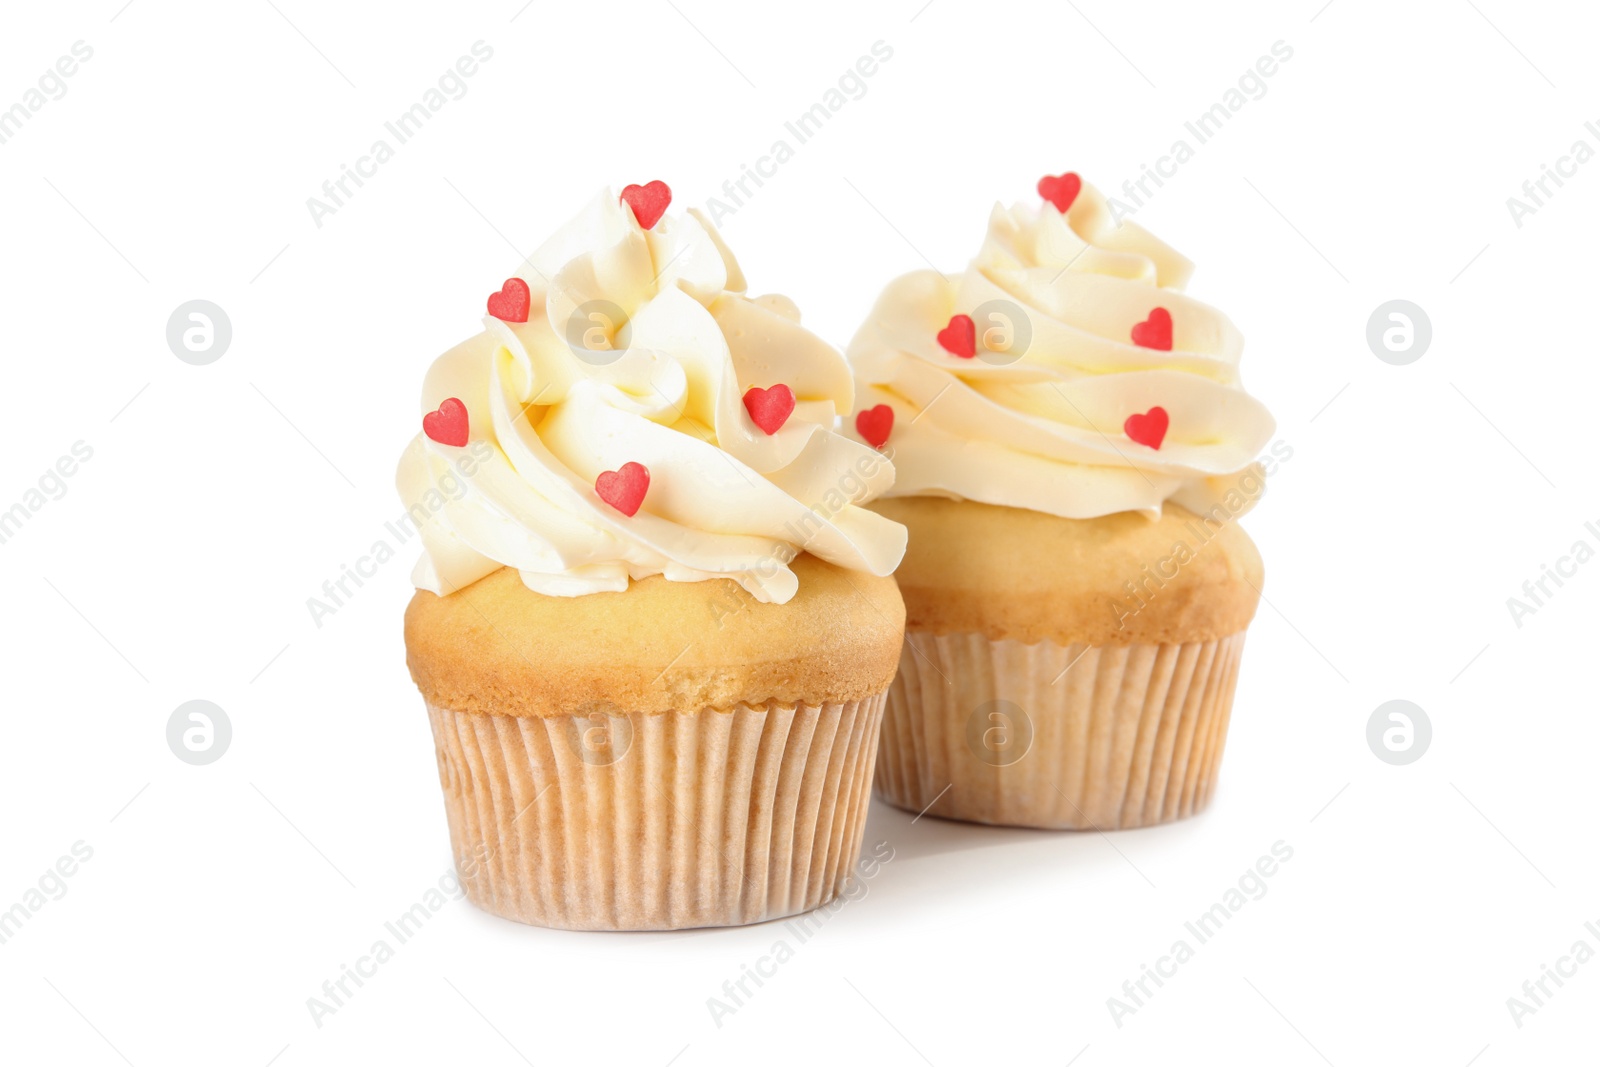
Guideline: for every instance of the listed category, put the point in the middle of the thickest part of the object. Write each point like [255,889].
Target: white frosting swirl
[1042,426]
[725,499]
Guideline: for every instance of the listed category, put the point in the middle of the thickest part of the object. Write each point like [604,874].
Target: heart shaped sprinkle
[1148,429]
[874,424]
[510,304]
[1155,331]
[1061,190]
[649,202]
[960,338]
[624,488]
[448,425]
[770,408]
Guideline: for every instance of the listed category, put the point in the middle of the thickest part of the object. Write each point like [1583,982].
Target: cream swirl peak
[629,411]
[1064,371]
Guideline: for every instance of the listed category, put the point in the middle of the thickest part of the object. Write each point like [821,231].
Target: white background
[219,498]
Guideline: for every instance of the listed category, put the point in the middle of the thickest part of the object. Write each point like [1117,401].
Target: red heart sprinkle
[960,338]
[624,488]
[1156,331]
[649,202]
[770,408]
[874,424]
[1149,428]
[1061,191]
[510,304]
[448,425]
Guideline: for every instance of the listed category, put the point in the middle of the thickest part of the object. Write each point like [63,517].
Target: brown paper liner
[657,821]
[1129,735]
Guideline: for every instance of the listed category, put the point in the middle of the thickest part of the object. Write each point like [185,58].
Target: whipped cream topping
[1038,416]
[639,347]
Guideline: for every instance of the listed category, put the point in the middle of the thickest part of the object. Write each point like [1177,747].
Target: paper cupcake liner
[1061,737]
[657,821]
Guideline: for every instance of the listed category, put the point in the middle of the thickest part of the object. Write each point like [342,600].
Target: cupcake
[1072,448]
[654,626]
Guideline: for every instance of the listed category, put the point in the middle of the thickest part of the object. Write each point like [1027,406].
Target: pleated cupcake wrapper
[1061,737]
[657,821]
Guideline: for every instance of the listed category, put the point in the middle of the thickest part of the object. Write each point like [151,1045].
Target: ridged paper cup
[1064,673]
[1080,737]
[658,821]
[674,755]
